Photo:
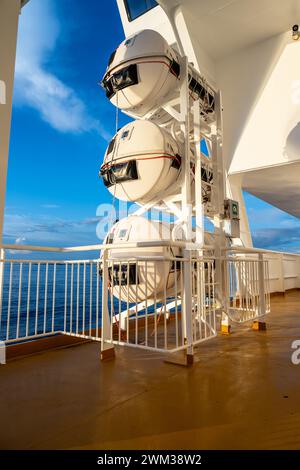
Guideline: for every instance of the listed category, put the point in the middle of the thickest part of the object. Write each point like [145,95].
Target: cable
[169,65]
[170,157]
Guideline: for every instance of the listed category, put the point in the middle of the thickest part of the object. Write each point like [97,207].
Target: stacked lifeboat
[143,161]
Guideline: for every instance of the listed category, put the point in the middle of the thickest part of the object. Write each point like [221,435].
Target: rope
[170,157]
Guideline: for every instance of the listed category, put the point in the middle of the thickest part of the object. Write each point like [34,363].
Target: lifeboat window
[122,233]
[125,134]
[123,274]
[125,77]
[119,173]
[109,239]
[176,162]
[112,56]
[136,8]
[111,146]
[121,79]
[107,85]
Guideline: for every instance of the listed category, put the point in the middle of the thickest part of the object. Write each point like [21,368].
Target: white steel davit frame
[188,206]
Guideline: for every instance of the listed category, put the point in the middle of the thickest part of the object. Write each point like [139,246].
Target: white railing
[248,289]
[146,304]
[162,302]
[44,297]
[284,268]
[284,271]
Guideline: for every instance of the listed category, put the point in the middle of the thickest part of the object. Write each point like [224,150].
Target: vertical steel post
[281,273]
[2,258]
[218,202]
[9,15]
[261,285]
[198,178]
[187,304]
[185,127]
[187,211]
[107,347]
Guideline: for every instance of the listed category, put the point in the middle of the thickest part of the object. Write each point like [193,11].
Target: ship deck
[242,393]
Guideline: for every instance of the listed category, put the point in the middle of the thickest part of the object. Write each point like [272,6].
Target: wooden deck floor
[243,392]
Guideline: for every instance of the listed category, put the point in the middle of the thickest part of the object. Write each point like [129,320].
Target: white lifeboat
[144,272]
[142,162]
[143,73]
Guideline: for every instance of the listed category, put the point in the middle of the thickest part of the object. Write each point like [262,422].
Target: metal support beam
[198,179]
[261,285]
[107,347]
[187,304]
[2,257]
[218,203]
[185,127]
[9,14]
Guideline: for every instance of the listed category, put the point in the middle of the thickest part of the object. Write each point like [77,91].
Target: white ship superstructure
[187,72]
[246,49]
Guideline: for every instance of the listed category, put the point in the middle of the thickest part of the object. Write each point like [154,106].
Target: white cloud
[35,86]
[20,240]
[41,229]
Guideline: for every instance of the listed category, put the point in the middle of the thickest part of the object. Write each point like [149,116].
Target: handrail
[52,249]
[140,244]
[48,261]
[243,249]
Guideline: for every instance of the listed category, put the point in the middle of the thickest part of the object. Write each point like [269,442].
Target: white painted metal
[194,119]
[2,256]
[157,323]
[248,288]
[9,14]
[106,332]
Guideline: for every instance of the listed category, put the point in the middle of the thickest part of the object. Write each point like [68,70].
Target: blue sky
[60,127]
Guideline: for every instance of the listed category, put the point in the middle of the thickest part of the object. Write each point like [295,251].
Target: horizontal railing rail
[127,245]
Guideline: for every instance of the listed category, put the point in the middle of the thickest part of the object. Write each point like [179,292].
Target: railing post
[2,258]
[223,286]
[261,285]
[107,347]
[187,306]
[2,353]
[281,273]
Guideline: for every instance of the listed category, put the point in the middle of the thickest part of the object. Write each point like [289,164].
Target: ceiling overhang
[223,27]
[278,185]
